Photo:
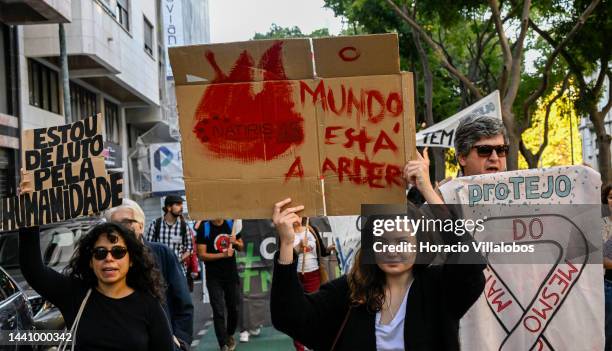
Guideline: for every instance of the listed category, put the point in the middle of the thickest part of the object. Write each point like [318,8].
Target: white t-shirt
[312,264]
[390,337]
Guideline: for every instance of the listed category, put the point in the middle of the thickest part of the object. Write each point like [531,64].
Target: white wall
[95,33]
[33,117]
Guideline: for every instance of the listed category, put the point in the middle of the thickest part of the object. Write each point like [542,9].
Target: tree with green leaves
[587,56]
[487,55]
[278,32]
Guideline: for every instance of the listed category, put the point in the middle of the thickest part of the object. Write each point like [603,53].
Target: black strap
[348,313]
[157,229]
[184,231]
[183,226]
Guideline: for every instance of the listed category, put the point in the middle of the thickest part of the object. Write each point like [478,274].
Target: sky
[238,20]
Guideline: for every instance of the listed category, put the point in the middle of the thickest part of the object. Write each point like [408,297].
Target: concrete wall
[33,117]
[61,6]
[96,33]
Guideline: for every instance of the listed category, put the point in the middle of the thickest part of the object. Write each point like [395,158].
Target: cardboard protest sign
[64,168]
[536,303]
[258,126]
[443,134]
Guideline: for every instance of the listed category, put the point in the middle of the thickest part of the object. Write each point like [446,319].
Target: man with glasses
[178,306]
[481,145]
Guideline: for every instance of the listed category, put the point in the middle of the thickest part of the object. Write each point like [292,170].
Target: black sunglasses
[118,252]
[487,150]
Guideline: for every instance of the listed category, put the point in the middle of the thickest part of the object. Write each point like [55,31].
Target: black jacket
[439,296]
[178,306]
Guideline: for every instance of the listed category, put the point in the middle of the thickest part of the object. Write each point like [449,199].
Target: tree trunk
[603,145]
[513,136]
[436,152]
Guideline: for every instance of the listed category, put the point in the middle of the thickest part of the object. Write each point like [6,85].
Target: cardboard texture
[197,64]
[66,174]
[329,144]
[61,136]
[360,55]
[63,173]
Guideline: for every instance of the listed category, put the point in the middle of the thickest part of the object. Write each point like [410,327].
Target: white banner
[443,134]
[166,168]
[552,305]
[346,235]
[173,27]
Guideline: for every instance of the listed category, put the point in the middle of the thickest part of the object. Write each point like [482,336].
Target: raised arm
[314,318]
[49,283]
[416,173]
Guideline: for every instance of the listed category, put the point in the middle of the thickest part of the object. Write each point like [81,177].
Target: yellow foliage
[563,129]
[452,166]
[560,135]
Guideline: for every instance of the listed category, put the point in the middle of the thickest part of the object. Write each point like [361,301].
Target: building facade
[14,16]
[117,66]
[113,53]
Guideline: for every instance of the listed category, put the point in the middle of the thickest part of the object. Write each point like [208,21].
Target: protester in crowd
[376,306]
[383,306]
[309,248]
[606,200]
[178,306]
[216,241]
[481,145]
[171,229]
[112,279]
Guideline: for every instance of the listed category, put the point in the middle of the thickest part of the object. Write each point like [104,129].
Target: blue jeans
[608,320]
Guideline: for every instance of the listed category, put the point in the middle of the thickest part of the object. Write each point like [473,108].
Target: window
[148,37]
[44,86]
[7,287]
[123,14]
[111,120]
[84,103]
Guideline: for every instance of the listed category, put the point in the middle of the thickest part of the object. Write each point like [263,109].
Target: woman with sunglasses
[111,278]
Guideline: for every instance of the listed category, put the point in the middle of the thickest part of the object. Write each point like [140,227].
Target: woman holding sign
[110,296]
[389,305]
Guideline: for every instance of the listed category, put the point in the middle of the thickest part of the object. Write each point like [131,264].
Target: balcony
[105,49]
[17,12]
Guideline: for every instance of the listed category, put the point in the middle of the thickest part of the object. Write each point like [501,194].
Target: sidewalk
[270,339]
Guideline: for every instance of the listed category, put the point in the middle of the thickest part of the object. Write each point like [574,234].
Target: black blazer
[439,296]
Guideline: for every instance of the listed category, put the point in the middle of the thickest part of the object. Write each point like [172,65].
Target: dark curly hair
[142,275]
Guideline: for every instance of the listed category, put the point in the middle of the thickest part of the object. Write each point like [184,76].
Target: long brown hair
[366,280]
[366,284]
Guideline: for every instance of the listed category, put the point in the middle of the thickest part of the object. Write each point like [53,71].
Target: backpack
[157,230]
[207,227]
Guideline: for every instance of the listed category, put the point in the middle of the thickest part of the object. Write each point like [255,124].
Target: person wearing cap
[171,229]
